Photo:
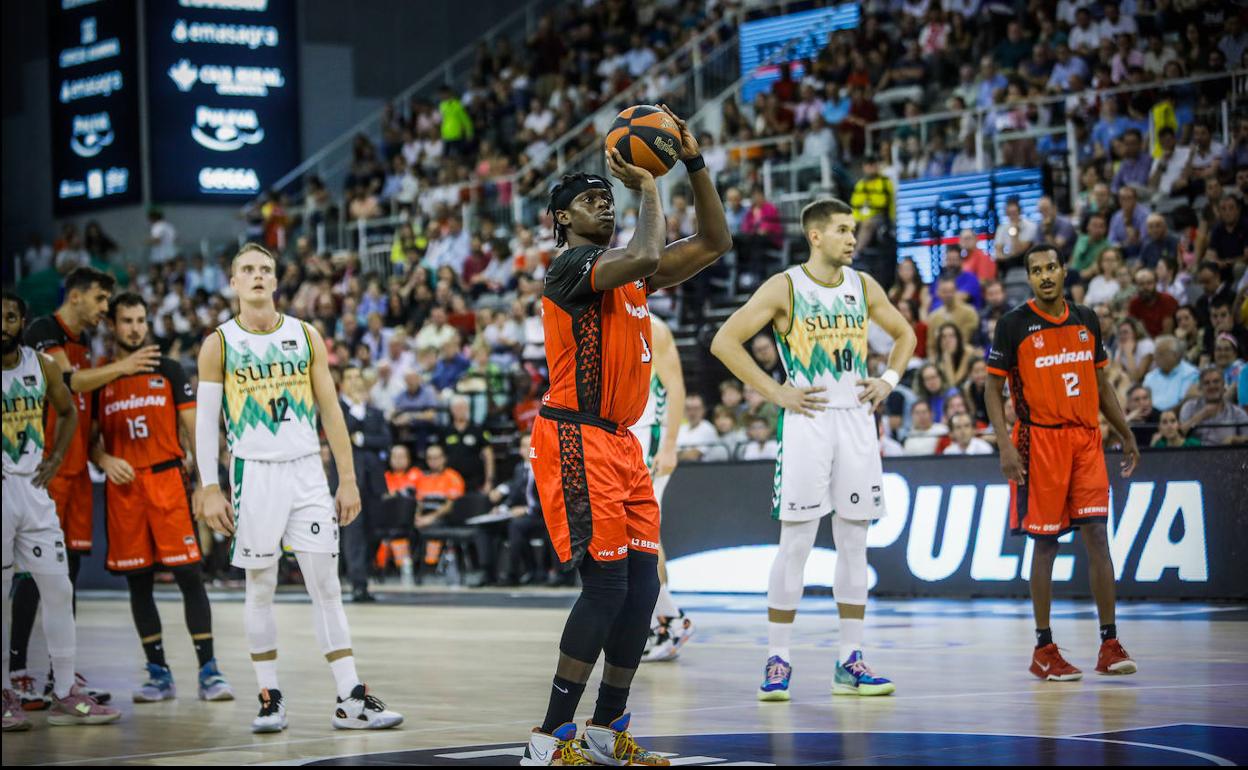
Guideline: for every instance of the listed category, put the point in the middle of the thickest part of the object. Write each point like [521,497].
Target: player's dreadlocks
[568,187]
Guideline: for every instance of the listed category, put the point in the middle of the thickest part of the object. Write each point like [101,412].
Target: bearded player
[596,494]
[137,440]
[268,373]
[1050,352]
[829,458]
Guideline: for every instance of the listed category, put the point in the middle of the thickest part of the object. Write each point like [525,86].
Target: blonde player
[670,629]
[269,374]
[829,460]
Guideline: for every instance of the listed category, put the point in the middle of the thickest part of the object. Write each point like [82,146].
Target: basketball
[647,137]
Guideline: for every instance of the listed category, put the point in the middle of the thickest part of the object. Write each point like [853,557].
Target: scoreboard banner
[1176,530]
[94,77]
[761,39]
[223,97]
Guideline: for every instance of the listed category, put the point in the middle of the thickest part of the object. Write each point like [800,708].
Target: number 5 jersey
[270,410]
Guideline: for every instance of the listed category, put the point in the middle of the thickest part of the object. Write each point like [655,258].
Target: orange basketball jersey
[138,414]
[48,335]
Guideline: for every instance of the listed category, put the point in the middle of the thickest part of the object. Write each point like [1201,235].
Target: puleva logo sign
[226,130]
[90,134]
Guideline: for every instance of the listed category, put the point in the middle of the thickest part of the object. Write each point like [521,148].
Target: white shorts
[33,541]
[280,503]
[829,463]
[650,437]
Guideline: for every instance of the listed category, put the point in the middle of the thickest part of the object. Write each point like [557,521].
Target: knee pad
[784,588]
[850,583]
[261,585]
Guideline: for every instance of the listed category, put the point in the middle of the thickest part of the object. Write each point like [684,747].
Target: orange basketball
[646,136]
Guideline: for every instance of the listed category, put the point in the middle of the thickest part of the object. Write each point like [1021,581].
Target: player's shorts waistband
[1060,426]
[581,418]
[166,465]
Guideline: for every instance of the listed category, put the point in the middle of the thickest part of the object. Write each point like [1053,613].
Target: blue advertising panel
[1175,530]
[931,212]
[223,97]
[761,39]
[94,75]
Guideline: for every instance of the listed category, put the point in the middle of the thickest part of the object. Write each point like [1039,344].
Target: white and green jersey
[25,394]
[649,427]
[826,342]
[270,409]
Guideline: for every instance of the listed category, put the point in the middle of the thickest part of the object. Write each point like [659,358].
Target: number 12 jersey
[270,409]
[1050,363]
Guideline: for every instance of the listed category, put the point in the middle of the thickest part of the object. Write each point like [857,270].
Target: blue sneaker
[854,677]
[158,687]
[212,685]
[775,680]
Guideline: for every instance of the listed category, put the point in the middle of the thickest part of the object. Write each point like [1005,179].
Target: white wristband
[207,427]
[891,377]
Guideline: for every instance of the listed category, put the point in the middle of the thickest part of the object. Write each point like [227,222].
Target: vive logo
[230,129]
[91,134]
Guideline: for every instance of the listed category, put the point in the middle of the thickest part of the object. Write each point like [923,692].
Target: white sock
[666,607]
[56,594]
[779,637]
[266,673]
[851,636]
[345,677]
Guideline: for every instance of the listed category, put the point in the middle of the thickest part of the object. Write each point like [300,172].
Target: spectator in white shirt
[1085,37]
[924,434]
[540,118]
[436,332]
[163,238]
[965,442]
[696,434]
[762,444]
[1169,167]
[640,57]
[1116,22]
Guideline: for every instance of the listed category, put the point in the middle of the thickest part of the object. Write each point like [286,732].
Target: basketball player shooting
[596,493]
[829,458]
[1051,353]
[269,374]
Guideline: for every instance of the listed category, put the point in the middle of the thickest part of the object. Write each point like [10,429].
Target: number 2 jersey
[138,414]
[597,342]
[1050,364]
[25,396]
[270,410]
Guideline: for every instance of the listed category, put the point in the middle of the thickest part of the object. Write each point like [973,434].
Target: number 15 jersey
[1050,363]
[270,410]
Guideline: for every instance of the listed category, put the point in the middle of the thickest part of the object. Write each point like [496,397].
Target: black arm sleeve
[568,282]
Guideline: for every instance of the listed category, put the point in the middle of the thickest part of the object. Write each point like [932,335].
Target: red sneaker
[1113,659]
[1048,664]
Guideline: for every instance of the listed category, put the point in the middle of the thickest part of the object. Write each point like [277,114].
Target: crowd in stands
[448,342]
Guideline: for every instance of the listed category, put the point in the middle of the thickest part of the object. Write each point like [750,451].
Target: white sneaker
[562,748]
[680,629]
[272,716]
[362,711]
[614,745]
[663,650]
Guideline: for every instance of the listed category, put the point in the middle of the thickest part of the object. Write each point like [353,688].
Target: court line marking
[386,733]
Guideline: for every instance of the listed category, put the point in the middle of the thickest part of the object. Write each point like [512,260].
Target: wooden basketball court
[470,671]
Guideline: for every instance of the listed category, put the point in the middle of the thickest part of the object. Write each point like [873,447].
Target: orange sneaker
[1113,659]
[1048,664]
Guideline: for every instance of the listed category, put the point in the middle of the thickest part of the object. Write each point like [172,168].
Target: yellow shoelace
[627,748]
[572,753]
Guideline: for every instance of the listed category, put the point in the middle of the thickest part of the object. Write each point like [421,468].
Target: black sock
[25,607]
[203,650]
[1044,637]
[564,698]
[197,610]
[1109,631]
[155,652]
[611,704]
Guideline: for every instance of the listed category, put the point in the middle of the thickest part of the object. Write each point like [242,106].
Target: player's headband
[561,197]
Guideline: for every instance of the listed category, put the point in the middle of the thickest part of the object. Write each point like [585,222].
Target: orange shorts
[1067,484]
[150,519]
[74,501]
[596,493]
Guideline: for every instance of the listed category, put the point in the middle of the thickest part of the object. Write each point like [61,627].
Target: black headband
[561,198]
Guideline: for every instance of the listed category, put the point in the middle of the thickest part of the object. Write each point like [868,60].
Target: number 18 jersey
[826,343]
[1050,363]
[270,410]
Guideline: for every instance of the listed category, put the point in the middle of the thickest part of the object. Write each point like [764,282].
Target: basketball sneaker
[79,708]
[158,687]
[681,630]
[1048,664]
[855,677]
[1113,659]
[614,745]
[663,646]
[80,681]
[775,679]
[15,719]
[212,685]
[272,716]
[362,711]
[559,748]
[24,689]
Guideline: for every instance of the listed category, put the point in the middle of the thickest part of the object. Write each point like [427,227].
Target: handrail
[425,81]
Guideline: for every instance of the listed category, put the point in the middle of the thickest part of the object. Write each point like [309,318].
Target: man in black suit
[370,440]
[518,497]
